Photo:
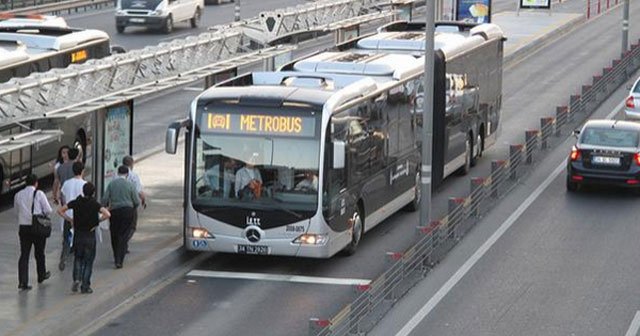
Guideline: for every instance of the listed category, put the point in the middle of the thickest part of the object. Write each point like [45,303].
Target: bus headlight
[201,233]
[311,239]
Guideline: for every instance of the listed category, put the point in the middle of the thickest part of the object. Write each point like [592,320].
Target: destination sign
[281,125]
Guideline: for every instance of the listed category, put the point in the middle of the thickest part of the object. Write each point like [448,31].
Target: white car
[632,103]
[157,14]
[31,20]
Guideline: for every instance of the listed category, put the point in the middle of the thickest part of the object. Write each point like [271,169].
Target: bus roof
[450,37]
[266,96]
[38,39]
[20,20]
[395,66]
[12,52]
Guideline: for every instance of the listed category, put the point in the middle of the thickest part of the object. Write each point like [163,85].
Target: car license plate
[136,20]
[606,160]
[253,249]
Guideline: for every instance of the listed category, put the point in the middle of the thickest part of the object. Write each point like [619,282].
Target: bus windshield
[258,161]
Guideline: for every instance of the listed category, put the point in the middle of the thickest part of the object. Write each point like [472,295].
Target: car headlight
[311,239]
[201,233]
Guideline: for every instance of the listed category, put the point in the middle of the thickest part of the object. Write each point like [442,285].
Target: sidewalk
[51,308]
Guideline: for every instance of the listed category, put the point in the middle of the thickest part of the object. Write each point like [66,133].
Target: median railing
[52,6]
[407,268]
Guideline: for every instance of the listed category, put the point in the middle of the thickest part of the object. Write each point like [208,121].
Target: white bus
[346,122]
[37,43]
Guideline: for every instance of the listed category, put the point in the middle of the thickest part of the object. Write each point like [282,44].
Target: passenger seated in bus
[213,181]
[310,182]
[248,180]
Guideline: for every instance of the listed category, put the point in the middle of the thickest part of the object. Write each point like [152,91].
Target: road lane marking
[278,277]
[635,325]
[196,89]
[462,271]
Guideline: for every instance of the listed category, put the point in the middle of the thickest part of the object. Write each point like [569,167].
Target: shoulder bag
[40,223]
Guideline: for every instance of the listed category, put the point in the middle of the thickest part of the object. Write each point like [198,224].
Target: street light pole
[427,115]
[625,27]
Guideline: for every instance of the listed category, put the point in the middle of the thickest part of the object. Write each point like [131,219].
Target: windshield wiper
[281,207]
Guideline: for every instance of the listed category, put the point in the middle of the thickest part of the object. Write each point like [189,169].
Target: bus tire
[168,25]
[197,16]
[477,150]
[357,230]
[415,204]
[468,156]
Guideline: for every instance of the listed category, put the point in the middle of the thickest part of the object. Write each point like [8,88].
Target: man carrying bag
[29,203]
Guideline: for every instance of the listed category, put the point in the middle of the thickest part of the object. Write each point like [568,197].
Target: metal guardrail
[407,268]
[54,7]
[42,94]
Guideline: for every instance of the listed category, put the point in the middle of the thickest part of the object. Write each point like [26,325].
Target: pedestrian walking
[87,214]
[121,199]
[65,172]
[63,156]
[27,202]
[134,178]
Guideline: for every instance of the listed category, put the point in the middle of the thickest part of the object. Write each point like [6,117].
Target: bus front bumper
[270,247]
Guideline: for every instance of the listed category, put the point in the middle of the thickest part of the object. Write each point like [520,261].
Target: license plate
[253,249]
[136,20]
[606,160]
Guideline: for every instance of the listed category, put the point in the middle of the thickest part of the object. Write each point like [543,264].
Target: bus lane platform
[156,250]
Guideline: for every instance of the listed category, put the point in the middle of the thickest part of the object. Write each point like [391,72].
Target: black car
[607,152]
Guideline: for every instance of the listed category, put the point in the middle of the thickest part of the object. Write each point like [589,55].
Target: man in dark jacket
[121,198]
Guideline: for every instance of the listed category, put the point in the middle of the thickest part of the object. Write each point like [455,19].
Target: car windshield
[610,137]
[636,88]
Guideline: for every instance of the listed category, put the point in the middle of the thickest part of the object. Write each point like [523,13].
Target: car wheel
[168,25]
[357,229]
[120,29]
[572,186]
[197,17]
[415,204]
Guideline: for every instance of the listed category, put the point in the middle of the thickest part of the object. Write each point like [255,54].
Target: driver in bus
[220,182]
[310,182]
[248,180]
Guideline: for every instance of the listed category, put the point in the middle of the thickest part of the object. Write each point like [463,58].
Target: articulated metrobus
[467,84]
[302,162]
[28,45]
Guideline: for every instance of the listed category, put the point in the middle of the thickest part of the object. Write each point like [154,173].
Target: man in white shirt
[310,182]
[23,202]
[71,189]
[248,181]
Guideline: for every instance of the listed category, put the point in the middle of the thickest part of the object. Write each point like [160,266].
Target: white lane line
[197,89]
[278,277]
[635,325]
[462,271]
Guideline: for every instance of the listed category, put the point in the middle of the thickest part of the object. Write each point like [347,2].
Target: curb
[78,311]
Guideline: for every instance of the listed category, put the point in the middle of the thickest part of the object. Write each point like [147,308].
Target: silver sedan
[632,103]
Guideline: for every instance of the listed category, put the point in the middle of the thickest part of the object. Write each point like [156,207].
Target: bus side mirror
[171,139]
[338,154]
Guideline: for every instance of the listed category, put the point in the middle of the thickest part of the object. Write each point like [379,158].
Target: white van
[157,14]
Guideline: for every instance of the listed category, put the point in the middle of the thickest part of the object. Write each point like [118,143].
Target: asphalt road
[196,305]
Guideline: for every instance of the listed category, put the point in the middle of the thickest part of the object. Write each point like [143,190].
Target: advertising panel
[117,139]
[536,4]
[476,11]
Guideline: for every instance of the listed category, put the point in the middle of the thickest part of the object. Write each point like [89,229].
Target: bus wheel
[477,150]
[356,233]
[415,204]
[468,157]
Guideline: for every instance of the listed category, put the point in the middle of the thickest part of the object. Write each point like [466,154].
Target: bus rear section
[326,173]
